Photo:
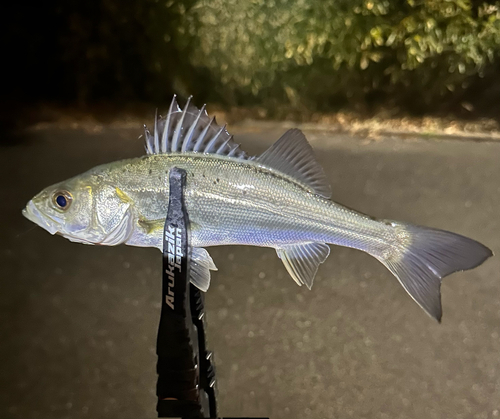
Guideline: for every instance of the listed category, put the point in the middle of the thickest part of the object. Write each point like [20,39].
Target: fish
[279,199]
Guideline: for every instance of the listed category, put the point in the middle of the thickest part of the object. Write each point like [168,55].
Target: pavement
[78,323]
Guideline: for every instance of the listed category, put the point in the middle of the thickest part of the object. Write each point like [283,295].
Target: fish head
[85,209]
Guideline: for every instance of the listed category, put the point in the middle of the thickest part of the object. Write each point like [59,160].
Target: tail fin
[421,257]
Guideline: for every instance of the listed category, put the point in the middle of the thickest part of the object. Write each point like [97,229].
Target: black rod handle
[177,344]
[207,367]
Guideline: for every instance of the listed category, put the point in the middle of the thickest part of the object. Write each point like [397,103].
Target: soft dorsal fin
[294,156]
[190,130]
[303,259]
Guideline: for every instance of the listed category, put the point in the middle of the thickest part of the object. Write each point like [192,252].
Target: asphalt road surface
[78,323]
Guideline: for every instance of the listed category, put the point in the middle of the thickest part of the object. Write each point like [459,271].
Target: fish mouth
[32,213]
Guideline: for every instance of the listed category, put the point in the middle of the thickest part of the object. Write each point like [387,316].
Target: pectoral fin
[302,260]
[151,226]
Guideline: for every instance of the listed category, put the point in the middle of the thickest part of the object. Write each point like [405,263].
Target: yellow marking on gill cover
[123,196]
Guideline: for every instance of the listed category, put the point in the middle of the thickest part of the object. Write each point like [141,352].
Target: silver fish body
[232,202]
[279,199]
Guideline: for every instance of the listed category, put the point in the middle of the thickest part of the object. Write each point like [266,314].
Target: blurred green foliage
[323,54]
[416,55]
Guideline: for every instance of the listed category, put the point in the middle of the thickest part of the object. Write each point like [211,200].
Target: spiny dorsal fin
[302,260]
[190,130]
[294,156]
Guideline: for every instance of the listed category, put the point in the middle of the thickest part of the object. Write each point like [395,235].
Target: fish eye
[62,200]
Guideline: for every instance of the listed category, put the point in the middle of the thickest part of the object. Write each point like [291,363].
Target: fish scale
[234,203]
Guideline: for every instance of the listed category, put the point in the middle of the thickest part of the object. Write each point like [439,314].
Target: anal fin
[303,259]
